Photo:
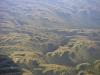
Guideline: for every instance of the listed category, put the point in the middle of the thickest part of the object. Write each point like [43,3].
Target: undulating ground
[50,37]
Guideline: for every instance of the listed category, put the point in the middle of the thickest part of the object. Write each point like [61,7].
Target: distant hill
[50,13]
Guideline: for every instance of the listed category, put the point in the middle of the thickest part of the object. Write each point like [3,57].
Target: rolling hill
[50,37]
[50,13]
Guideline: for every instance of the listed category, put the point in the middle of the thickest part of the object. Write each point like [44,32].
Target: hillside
[38,52]
[49,37]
